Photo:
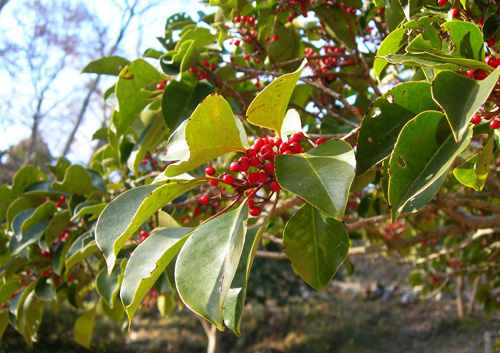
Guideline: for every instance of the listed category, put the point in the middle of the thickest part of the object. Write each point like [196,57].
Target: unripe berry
[476,119]
[204,200]
[495,124]
[254,211]
[275,186]
[209,170]
[228,179]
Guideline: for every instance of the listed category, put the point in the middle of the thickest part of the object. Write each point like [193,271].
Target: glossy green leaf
[268,109]
[385,119]
[42,212]
[9,288]
[147,263]
[30,319]
[109,65]
[491,26]
[25,177]
[83,328]
[210,132]
[180,98]
[83,247]
[6,198]
[76,180]
[326,174]
[391,45]
[108,287]
[125,214]
[335,23]
[115,312]
[393,14]
[282,49]
[4,322]
[20,204]
[152,136]
[474,171]
[60,167]
[132,93]
[57,225]
[316,245]
[466,40]
[412,174]
[44,289]
[437,61]
[235,300]
[21,217]
[93,208]
[464,100]
[207,264]
[165,303]
[27,238]
[291,124]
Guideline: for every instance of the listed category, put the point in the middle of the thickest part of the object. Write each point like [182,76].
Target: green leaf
[108,287]
[491,26]
[464,100]
[44,290]
[25,177]
[466,38]
[210,132]
[385,119]
[93,208]
[76,180]
[268,109]
[291,123]
[152,136]
[316,245]
[326,174]
[125,214]
[282,49]
[413,175]
[437,61]
[4,322]
[391,45]
[335,24]
[83,328]
[147,263]
[235,300]
[6,198]
[30,318]
[42,212]
[474,171]
[56,226]
[110,65]
[27,238]
[180,98]
[132,93]
[62,164]
[83,247]
[165,303]
[207,264]
[9,288]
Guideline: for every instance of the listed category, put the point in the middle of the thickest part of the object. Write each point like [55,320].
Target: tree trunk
[460,297]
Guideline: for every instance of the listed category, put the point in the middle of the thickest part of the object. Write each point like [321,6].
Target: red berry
[214,182]
[70,278]
[442,2]
[22,280]
[270,167]
[257,60]
[246,57]
[492,61]
[58,204]
[276,37]
[289,19]
[205,63]
[470,73]
[254,161]
[164,81]
[254,211]
[285,146]
[491,42]
[57,282]
[479,75]
[495,124]
[228,179]
[252,178]
[250,153]
[320,141]
[237,42]
[62,198]
[261,177]
[275,186]
[295,147]
[455,13]
[253,33]
[160,87]
[250,203]
[257,145]
[267,39]
[296,137]
[192,70]
[243,164]
[213,66]
[209,170]
[234,167]
[143,234]
[204,200]
[237,19]
[476,119]
[243,18]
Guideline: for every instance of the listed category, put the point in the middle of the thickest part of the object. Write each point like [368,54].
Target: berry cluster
[256,170]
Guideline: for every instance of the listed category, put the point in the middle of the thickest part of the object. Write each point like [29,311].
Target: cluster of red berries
[245,20]
[295,8]
[161,86]
[476,119]
[62,200]
[257,169]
